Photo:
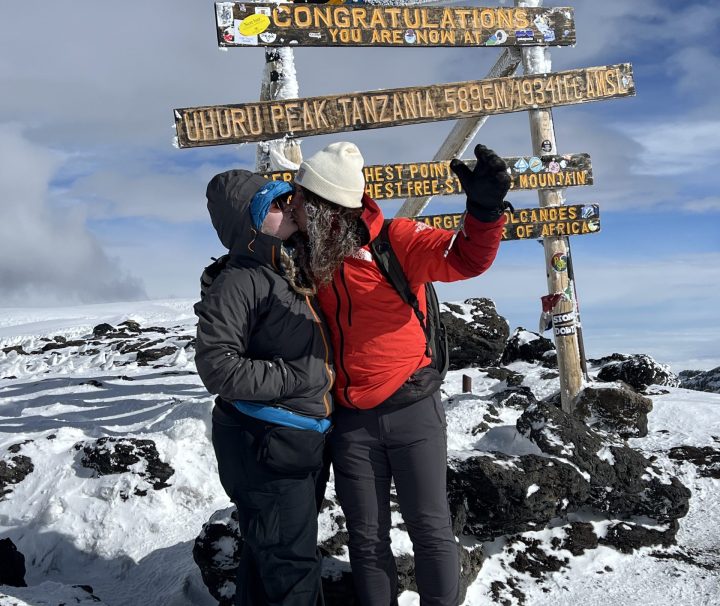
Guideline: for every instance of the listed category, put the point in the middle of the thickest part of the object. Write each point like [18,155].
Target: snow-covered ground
[133,543]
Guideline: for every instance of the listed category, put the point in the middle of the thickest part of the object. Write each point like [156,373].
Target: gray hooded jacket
[257,339]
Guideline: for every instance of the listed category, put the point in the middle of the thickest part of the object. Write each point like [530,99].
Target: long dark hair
[333,233]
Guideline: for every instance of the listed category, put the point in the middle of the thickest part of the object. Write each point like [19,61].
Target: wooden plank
[272,24]
[463,131]
[535,223]
[393,181]
[267,120]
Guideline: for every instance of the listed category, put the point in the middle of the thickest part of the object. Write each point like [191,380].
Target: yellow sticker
[254,24]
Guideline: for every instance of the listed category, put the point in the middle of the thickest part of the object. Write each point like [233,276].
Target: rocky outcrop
[701,381]
[527,346]
[638,370]
[12,571]
[616,408]
[574,468]
[121,455]
[476,333]
[14,468]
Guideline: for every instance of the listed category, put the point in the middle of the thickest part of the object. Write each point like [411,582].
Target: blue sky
[99,206]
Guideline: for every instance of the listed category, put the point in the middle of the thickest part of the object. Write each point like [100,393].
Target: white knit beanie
[335,173]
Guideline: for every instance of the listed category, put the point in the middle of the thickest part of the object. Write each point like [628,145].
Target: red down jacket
[377,339]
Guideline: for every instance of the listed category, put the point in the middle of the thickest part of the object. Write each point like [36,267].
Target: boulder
[476,333]
[511,378]
[495,494]
[217,553]
[705,458]
[638,370]
[14,469]
[118,455]
[559,466]
[622,481]
[528,346]
[616,408]
[12,571]
[701,381]
[516,397]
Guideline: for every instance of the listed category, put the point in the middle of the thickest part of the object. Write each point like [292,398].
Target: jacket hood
[372,216]
[229,195]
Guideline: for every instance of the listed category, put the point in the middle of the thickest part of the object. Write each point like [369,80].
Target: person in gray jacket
[261,347]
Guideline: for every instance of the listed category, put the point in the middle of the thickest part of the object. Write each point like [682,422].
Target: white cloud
[47,255]
[677,148]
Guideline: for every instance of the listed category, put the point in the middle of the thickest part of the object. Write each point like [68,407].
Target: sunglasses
[283,202]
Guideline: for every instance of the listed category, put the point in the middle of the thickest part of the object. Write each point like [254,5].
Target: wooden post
[537,61]
[467,384]
[278,82]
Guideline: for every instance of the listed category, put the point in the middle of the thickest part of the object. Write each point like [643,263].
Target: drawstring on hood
[230,196]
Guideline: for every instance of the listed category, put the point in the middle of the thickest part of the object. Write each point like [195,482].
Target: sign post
[542,132]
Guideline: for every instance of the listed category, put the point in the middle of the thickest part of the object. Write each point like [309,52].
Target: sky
[99,206]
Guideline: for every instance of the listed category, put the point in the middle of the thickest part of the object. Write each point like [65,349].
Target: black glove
[485,185]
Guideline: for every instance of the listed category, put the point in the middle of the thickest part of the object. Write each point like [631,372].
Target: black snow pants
[406,444]
[280,563]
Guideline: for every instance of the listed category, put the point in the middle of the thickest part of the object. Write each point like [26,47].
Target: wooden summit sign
[272,24]
[268,120]
[534,223]
[392,181]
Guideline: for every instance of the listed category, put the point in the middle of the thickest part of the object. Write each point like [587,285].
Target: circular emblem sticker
[254,24]
[559,262]
[410,36]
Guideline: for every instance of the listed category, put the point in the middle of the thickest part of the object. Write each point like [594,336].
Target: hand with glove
[485,185]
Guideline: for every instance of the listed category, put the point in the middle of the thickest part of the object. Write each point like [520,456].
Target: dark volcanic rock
[623,482]
[528,346]
[512,378]
[16,348]
[102,329]
[217,554]
[495,494]
[476,343]
[12,571]
[130,326]
[701,381]
[516,397]
[579,537]
[116,455]
[144,356]
[638,370]
[616,408]
[705,458]
[629,536]
[13,470]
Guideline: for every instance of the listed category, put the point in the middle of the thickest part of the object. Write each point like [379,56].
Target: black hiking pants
[280,563]
[406,443]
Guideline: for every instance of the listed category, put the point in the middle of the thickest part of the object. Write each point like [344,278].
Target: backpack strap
[390,267]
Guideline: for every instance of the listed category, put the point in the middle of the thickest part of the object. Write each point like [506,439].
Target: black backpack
[434,329]
[211,272]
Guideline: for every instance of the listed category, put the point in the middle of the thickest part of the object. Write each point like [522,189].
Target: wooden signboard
[268,120]
[534,223]
[392,181]
[272,24]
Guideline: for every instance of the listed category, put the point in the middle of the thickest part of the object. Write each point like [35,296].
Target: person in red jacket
[390,422]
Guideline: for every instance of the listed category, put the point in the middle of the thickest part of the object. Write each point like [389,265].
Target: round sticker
[559,262]
[535,164]
[254,24]
[410,36]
